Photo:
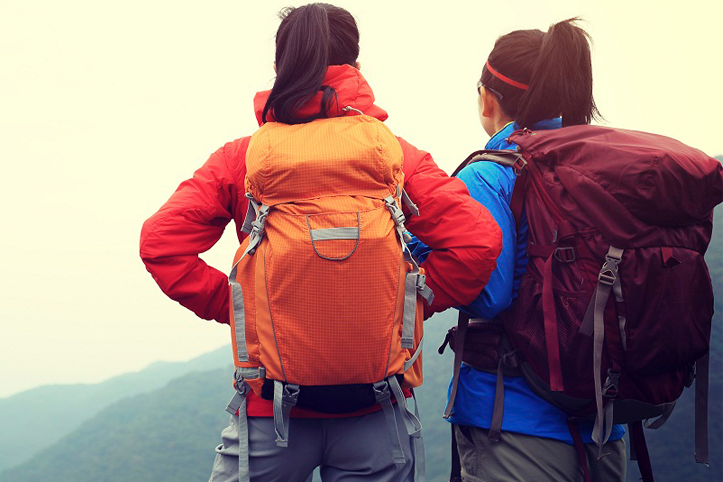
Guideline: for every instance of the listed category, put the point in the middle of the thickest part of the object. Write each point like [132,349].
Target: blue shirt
[491,184]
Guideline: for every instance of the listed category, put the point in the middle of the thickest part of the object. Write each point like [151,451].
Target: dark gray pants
[353,449]
[519,457]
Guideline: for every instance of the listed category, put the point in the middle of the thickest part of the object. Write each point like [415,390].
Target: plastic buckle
[565,254]
[607,275]
[421,282]
[610,389]
[291,393]
[519,165]
[381,391]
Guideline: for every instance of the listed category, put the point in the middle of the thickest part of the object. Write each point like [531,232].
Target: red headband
[505,79]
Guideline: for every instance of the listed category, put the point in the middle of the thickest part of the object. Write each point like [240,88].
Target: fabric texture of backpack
[325,297]
[613,315]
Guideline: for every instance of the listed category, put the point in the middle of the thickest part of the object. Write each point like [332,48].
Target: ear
[490,104]
[275,67]
[357,65]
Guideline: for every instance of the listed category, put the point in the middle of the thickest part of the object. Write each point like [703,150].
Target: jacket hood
[352,90]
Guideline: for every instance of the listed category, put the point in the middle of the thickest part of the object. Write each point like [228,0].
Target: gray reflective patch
[334,233]
[410,309]
[327,234]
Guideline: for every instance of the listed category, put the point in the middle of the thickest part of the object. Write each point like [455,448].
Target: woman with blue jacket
[538,80]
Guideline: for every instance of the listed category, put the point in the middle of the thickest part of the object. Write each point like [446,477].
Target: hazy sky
[105,107]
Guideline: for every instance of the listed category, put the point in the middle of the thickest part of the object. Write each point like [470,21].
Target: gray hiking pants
[518,457]
[346,450]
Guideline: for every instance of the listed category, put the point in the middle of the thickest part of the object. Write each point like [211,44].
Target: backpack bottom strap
[383,391]
[238,405]
[285,397]
[383,395]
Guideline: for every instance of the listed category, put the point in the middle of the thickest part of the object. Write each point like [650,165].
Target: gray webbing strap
[334,233]
[410,205]
[586,328]
[398,218]
[419,456]
[413,425]
[383,396]
[257,231]
[235,403]
[414,284]
[239,317]
[408,364]
[251,213]
[285,398]
[701,409]
[238,404]
[410,307]
[607,278]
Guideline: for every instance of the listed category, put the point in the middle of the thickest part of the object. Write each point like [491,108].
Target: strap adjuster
[607,276]
[291,393]
[381,391]
[519,165]
[565,254]
[610,389]
[421,282]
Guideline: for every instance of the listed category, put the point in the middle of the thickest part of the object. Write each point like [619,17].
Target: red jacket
[464,237]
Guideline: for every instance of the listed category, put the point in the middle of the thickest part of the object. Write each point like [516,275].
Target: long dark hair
[309,39]
[539,75]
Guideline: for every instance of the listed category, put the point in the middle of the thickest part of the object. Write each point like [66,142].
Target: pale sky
[105,107]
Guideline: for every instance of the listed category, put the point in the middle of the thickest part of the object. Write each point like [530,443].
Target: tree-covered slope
[33,420]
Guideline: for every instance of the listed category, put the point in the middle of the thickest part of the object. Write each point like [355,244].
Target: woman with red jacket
[317,73]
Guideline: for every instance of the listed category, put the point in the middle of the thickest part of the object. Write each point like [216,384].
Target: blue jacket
[524,412]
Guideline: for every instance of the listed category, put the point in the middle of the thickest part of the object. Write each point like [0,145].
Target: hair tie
[505,79]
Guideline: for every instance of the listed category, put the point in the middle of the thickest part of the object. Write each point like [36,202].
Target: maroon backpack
[613,316]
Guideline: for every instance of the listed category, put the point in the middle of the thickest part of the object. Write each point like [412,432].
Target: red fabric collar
[352,90]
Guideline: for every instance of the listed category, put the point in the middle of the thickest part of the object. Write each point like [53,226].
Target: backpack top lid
[342,156]
[659,180]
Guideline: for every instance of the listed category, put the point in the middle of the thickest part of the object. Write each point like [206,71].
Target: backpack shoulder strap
[513,159]
[505,157]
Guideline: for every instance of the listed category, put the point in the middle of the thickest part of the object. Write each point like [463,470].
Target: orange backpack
[323,290]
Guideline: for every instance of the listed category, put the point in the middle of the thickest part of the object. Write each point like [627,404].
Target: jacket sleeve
[491,185]
[189,223]
[463,236]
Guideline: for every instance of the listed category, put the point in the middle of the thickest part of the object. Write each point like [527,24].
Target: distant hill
[35,419]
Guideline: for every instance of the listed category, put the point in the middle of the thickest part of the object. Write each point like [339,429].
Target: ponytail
[309,39]
[561,81]
[543,75]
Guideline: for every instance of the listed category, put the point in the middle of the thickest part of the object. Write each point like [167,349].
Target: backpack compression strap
[608,279]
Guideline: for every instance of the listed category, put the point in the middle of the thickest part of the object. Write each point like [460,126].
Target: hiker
[599,311]
[320,111]
[535,442]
